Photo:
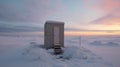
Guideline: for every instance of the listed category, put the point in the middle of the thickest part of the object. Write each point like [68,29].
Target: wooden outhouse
[53,34]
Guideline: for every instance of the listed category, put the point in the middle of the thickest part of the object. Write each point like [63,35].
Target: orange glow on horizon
[102,27]
[85,33]
[70,33]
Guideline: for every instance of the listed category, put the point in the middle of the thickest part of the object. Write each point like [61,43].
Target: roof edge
[55,22]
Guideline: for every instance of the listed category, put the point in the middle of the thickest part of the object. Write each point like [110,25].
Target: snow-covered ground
[21,51]
[107,47]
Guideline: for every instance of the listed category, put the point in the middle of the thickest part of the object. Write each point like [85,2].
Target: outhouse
[53,34]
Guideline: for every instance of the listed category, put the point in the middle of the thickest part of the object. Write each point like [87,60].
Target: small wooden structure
[54,36]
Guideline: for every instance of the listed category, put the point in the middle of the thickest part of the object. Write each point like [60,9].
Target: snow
[99,43]
[29,52]
[109,53]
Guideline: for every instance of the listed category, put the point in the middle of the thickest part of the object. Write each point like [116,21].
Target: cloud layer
[111,8]
[110,19]
[77,14]
[27,10]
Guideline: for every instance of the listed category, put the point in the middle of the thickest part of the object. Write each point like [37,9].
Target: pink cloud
[109,7]
[105,5]
[110,19]
[110,4]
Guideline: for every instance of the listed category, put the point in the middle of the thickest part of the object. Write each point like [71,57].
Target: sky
[78,15]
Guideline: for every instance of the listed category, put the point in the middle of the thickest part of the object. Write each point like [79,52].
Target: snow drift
[34,55]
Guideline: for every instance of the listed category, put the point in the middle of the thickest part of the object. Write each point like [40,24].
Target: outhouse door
[56,35]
